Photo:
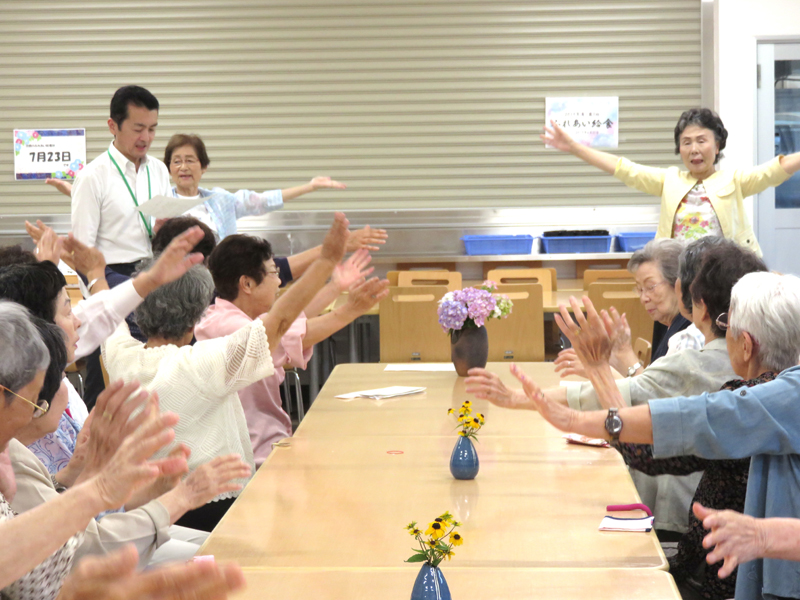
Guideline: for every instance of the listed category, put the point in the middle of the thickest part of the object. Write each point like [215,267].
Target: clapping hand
[366,238]
[48,245]
[333,246]
[352,271]
[734,538]
[488,386]
[590,336]
[115,577]
[558,415]
[364,295]
[213,478]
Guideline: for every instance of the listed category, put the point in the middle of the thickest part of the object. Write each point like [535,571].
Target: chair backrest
[451,279]
[590,276]
[409,325]
[621,296]
[544,277]
[391,277]
[520,336]
[73,289]
[643,350]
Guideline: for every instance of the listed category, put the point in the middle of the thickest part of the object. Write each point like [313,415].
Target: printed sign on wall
[48,153]
[591,121]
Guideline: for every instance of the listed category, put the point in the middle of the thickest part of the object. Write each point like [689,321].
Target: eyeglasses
[42,406]
[722,321]
[189,162]
[276,272]
[647,289]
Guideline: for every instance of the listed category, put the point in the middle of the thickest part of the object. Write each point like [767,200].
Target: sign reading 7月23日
[44,153]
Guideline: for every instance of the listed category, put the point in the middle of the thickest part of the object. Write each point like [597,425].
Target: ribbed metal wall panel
[414,105]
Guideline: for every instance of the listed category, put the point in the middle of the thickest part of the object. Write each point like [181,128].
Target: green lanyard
[127,185]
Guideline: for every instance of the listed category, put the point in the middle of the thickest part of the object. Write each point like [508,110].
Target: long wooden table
[325,516]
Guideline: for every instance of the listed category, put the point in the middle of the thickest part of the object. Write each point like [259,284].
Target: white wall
[739,25]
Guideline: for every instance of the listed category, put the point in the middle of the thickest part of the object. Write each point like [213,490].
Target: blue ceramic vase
[464,463]
[430,585]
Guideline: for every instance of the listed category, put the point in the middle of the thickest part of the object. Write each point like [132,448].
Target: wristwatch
[632,370]
[613,424]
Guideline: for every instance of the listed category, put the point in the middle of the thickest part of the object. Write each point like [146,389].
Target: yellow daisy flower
[436,530]
[481,417]
[431,543]
[450,411]
[456,539]
[467,403]
[447,517]
[476,422]
[449,554]
[463,433]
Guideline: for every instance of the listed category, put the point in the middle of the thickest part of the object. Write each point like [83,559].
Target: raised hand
[65,187]
[49,246]
[131,468]
[735,538]
[367,238]
[352,271]
[366,294]
[83,258]
[556,137]
[213,478]
[321,182]
[115,577]
[333,246]
[173,262]
[589,336]
[568,363]
[558,415]
[488,386]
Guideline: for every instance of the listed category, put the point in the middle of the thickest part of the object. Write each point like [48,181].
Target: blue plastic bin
[633,241]
[477,245]
[576,244]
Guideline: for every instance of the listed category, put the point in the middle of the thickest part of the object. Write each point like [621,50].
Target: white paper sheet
[381,393]
[617,524]
[421,367]
[163,207]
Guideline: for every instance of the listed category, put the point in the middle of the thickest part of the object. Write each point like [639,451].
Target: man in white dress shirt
[108,191]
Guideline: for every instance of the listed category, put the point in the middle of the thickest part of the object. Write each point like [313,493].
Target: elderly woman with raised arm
[761,422]
[685,372]
[655,269]
[200,382]
[701,200]
[39,546]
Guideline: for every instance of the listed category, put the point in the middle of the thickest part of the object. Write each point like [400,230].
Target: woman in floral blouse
[701,200]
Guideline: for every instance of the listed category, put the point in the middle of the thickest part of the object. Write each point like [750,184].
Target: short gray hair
[664,252]
[173,309]
[767,306]
[22,351]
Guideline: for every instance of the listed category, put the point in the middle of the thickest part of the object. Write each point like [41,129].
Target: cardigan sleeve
[251,204]
[649,180]
[758,179]
[230,363]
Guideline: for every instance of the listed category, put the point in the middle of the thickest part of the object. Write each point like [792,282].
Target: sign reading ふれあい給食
[48,153]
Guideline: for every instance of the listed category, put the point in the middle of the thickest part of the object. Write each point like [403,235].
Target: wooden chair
[621,296]
[73,289]
[643,350]
[409,325]
[434,265]
[520,336]
[451,279]
[391,277]
[612,275]
[544,277]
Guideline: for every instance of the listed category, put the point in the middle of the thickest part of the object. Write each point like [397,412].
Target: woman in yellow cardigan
[701,200]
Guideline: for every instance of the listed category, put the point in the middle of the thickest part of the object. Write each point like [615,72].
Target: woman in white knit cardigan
[200,381]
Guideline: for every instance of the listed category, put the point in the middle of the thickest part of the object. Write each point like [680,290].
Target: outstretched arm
[558,138]
[318,183]
[289,306]
[791,163]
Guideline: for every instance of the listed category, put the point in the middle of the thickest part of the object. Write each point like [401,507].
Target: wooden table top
[356,473]
[464,583]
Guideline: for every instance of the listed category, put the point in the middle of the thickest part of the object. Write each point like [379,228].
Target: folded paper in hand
[164,207]
[381,393]
[617,524]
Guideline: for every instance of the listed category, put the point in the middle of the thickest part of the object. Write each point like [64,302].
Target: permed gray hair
[22,351]
[767,306]
[665,253]
[173,309]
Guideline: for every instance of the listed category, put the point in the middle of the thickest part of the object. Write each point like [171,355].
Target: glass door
[778,209]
